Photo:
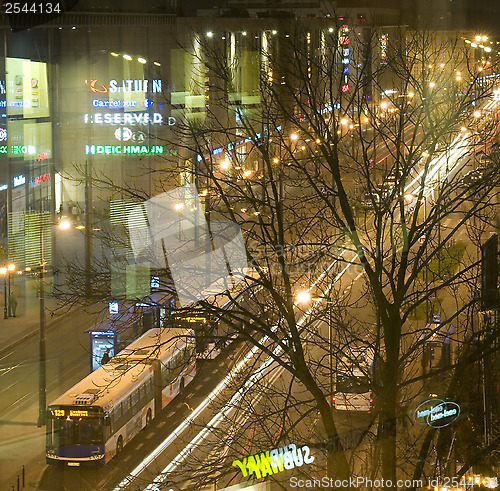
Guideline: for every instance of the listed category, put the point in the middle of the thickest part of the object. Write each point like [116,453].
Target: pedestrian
[3,222]
[12,304]
[106,357]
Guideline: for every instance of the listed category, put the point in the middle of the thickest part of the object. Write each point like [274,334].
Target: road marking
[161,423]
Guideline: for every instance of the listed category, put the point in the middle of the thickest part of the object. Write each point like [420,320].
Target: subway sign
[274,461]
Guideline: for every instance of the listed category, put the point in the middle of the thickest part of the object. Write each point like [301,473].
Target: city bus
[352,391]
[92,422]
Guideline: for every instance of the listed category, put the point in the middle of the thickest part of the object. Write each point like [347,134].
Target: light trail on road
[216,420]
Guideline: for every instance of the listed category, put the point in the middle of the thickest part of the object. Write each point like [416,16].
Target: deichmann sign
[274,461]
[127,150]
[436,413]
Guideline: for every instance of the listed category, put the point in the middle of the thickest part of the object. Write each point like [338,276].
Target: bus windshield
[350,384]
[75,431]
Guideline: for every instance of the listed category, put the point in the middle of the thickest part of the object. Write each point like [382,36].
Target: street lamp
[305,297]
[42,350]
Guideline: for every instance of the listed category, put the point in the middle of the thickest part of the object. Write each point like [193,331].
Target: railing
[20,481]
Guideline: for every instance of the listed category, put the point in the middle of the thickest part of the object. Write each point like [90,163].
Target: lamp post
[3,272]
[42,351]
[305,297]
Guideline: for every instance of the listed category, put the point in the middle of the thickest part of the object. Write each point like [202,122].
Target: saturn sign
[436,413]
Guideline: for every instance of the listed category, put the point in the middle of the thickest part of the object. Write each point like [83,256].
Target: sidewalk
[26,324]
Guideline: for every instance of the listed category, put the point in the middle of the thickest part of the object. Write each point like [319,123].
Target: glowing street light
[303,297]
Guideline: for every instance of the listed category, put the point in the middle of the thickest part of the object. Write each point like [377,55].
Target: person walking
[106,357]
[12,304]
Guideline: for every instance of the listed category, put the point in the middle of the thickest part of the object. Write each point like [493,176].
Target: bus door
[157,386]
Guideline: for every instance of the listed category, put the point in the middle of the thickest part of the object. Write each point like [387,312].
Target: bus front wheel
[149,417]
[119,444]
[181,386]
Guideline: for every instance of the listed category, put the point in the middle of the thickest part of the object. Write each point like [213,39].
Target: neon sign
[23,149]
[127,150]
[42,156]
[117,104]
[18,180]
[129,85]
[142,118]
[3,134]
[274,461]
[134,86]
[42,178]
[383,47]
[102,90]
[437,413]
[123,134]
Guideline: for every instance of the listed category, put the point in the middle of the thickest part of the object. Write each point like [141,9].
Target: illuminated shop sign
[125,134]
[3,187]
[274,461]
[128,150]
[102,333]
[117,104]
[42,178]
[436,413]
[3,134]
[383,47]
[128,85]
[18,180]
[113,307]
[2,87]
[24,150]
[127,118]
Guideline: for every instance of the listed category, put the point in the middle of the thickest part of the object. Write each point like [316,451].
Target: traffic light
[489,274]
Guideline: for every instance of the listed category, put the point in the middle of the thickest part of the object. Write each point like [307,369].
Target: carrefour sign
[437,413]
[274,461]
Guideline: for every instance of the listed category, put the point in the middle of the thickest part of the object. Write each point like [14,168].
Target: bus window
[351,384]
[68,432]
[135,397]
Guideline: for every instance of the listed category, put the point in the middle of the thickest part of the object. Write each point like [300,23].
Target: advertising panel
[27,93]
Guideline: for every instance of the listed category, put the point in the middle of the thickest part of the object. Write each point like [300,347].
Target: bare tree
[362,187]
